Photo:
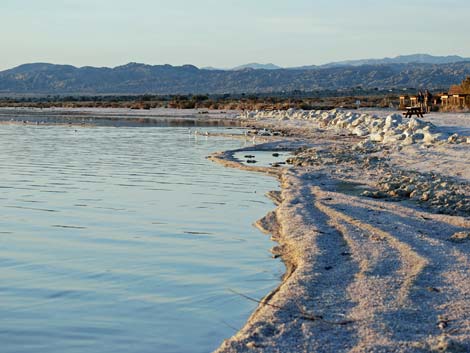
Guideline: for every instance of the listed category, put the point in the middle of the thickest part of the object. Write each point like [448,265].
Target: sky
[227,33]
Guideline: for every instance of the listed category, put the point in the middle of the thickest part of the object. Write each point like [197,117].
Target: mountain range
[415,71]
[401,59]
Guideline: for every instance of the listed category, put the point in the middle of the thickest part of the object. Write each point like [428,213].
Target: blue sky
[227,33]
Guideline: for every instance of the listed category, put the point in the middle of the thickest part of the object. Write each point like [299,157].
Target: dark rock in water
[443,322]
[277,251]
[249,156]
[433,289]
[275,165]
[374,194]
[460,237]
[275,154]
[251,161]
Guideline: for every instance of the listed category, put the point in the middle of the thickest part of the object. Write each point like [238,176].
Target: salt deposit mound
[393,129]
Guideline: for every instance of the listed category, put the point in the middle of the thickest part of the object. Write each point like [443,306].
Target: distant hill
[252,66]
[211,68]
[256,66]
[134,78]
[402,59]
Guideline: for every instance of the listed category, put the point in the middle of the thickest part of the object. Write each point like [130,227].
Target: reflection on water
[126,240]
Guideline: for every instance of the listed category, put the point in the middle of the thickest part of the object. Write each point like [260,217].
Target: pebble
[443,195]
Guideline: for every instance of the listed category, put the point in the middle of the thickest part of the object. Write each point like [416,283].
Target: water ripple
[136,240]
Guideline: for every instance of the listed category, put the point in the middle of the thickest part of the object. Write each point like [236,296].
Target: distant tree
[466,85]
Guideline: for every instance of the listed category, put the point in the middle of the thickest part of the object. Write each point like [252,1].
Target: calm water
[126,240]
[263,158]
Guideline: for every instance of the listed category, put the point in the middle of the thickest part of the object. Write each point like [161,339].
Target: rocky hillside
[136,78]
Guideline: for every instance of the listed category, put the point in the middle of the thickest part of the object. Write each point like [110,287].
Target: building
[458,97]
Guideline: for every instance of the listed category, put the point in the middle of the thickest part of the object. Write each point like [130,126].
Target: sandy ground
[364,274]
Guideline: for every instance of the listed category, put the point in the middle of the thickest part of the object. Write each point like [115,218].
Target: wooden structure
[410,111]
[412,101]
[411,106]
[445,100]
[408,101]
[458,97]
[455,100]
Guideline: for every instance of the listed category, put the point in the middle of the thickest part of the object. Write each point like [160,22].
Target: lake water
[263,158]
[126,240]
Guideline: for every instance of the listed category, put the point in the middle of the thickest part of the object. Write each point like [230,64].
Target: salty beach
[375,235]
[372,223]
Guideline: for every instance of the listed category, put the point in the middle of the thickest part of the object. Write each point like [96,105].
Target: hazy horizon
[228,33]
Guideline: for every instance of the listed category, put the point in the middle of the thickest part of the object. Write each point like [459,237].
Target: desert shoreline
[365,273]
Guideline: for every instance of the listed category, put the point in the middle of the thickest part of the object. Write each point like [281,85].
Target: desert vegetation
[276,101]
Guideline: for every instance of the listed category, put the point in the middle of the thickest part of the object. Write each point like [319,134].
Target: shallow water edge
[62,157]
